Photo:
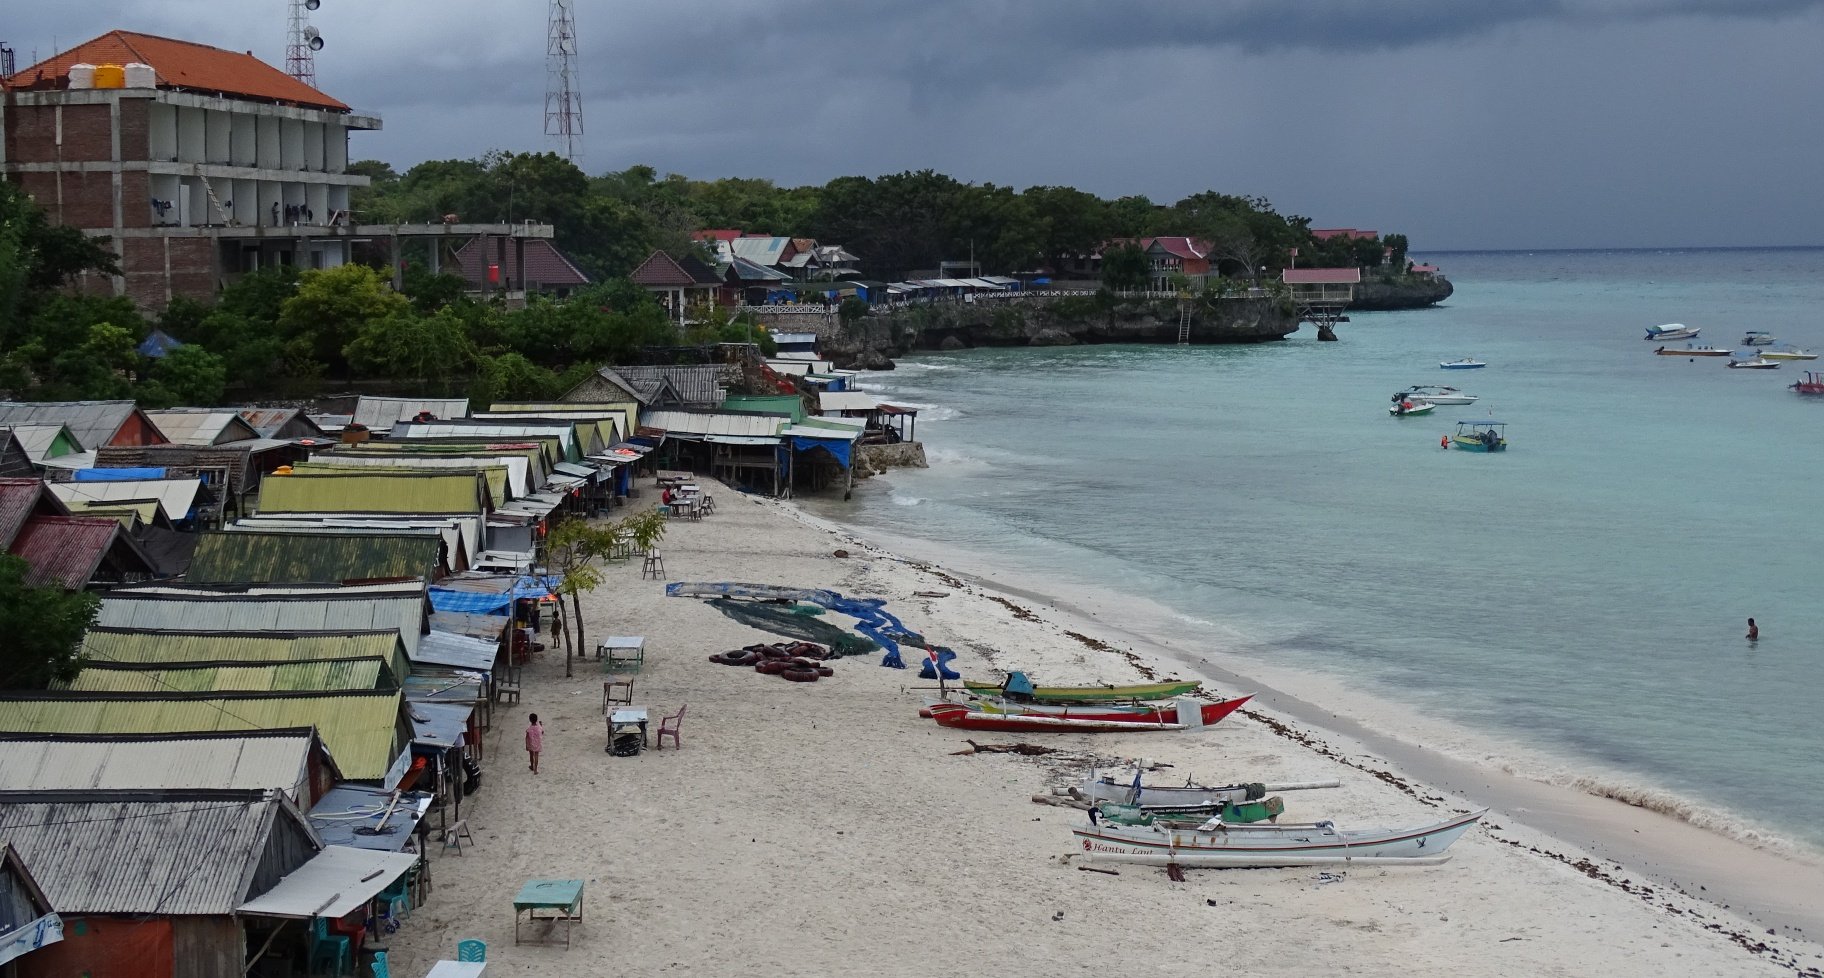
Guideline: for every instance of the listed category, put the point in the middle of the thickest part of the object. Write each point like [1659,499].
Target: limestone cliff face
[1049,322]
[1406,292]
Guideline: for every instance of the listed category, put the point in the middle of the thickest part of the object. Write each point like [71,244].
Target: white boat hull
[1168,798]
[1440,395]
[1788,355]
[1262,846]
[1673,332]
[1417,408]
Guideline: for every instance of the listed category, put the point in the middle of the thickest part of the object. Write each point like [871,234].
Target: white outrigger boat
[1217,844]
[1188,797]
[1673,331]
[1439,394]
[1788,353]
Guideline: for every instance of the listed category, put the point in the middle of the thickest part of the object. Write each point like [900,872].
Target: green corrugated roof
[361,729]
[148,647]
[360,492]
[790,404]
[253,557]
[495,474]
[550,447]
[538,468]
[221,677]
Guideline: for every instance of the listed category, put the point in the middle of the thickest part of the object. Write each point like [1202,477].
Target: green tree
[44,628]
[405,345]
[511,377]
[332,307]
[188,375]
[1398,245]
[575,551]
[1125,267]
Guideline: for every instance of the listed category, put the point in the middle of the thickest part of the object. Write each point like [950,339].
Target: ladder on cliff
[1184,322]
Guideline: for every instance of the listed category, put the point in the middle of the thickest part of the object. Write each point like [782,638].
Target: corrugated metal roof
[461,534]
[190,460]
[201,429]
[248,556]
[510,479]
[94,423]
[759,250]
[269,422]
[458,651]
[325,674]
[357,492]
[697,385]
[661,270]
[186,853]
[352,815]
[688,423]
[142,510]
[177,496]
[40,441]
[499,430]
[66,550]
[486,627]
[333,883]
[255,759]
[131,608]
[148,646]
[380,413]
[496,475]
[538,452]
[360,728]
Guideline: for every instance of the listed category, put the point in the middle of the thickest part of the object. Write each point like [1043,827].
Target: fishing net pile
[798,662]
[781,619]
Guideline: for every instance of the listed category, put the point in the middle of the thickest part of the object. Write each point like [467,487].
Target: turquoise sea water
[1585,593]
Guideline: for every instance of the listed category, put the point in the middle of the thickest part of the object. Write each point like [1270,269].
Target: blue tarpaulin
[839,447]
[118,475]
[490,602]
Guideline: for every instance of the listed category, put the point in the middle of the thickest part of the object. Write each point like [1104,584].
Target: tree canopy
[44,627]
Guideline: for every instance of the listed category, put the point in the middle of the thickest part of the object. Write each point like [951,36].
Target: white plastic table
[457,969]
[629,650]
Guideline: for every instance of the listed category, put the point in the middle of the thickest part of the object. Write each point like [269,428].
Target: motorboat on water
[1754,363]
[1467,363]
[1480,436]
[1439,394]
[1672,331]
[1693,351]
[1811,383]
[1755,337]
[1409,405]
[1788,353]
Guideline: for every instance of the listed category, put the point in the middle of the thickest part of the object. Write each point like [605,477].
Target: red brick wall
[135,199]
[192,269]
[135,129]
[31,131]
[88,133]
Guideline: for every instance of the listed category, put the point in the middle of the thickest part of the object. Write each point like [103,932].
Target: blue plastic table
[563,899]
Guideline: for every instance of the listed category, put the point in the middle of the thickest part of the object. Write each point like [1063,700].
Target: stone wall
[875,459]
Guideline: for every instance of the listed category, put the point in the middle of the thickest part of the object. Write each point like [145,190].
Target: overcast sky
[1463,123]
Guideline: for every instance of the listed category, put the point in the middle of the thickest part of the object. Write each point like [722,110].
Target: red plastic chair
[669,725]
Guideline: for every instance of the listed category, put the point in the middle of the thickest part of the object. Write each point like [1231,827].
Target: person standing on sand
[1754,631]
[535,740]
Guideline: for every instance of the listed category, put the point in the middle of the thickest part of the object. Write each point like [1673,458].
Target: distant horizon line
[1598,248]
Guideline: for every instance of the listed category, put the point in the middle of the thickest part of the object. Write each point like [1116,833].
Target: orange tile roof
[181,65]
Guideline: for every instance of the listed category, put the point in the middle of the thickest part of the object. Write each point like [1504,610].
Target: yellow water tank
[110,76]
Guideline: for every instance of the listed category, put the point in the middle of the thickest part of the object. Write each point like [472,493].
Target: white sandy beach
[825,829]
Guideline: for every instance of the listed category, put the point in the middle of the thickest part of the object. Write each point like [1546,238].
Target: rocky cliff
[1377,294]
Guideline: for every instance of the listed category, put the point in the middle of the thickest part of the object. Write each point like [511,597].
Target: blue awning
[838,447]
[117,475]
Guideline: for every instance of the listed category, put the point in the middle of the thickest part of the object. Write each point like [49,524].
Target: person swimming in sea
[1754,631]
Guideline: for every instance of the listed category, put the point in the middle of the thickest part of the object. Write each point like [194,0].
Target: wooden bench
[458,832]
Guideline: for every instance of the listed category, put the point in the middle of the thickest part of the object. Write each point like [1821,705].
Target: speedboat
[1437,394]
[1788,353]
[1811,383]
[1480,436]
[1755,337]
[1409,405]
[1672,331]
[1757,363]
[1693,351]
[1466,363]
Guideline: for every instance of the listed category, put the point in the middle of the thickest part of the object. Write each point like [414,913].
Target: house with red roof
[61,550]
[680,283]
[537,267]
[198,163]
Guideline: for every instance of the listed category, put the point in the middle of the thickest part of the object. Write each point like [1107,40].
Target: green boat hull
[1095,694]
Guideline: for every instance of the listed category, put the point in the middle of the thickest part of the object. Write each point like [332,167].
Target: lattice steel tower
[563,101]
[302,43]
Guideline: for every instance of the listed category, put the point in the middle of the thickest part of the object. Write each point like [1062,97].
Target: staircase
[1184,323]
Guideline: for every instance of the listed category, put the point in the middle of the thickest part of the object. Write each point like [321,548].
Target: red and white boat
[1027,717]
[1811,383]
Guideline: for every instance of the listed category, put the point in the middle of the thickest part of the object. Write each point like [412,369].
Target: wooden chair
[618,689]
[669,726]
[454,838]
[654,565]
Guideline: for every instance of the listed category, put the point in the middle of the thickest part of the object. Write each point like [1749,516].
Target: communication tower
[302,43]
[563,101]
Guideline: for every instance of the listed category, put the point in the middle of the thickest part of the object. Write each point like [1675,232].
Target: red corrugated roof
[1182,247]
[20,500]
[545,265]
[64,550]
[180,64]
[662,270]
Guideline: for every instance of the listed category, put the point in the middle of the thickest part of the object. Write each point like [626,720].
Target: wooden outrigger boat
[1098,789]
[1090,694]
[963,718]
[1185,842]
[1190,713]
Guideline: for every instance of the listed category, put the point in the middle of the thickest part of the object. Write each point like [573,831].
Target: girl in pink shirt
[535,740]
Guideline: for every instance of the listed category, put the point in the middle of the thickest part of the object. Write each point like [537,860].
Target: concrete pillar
[519,262]
[398,270]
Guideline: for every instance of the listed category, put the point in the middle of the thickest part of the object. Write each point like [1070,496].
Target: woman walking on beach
[535,740]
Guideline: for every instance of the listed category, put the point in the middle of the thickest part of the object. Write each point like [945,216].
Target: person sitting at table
[665,497]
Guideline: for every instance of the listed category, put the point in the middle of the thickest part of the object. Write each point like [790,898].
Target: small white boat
[1755,364]
[1672,331]
[1438,394]
[1188,797]
[1410,406]
[1755,337]
[1467,363]
[1693,351]
[1256,845]
[1788,353]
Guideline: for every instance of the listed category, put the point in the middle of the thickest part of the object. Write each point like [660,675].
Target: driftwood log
[1028,750]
